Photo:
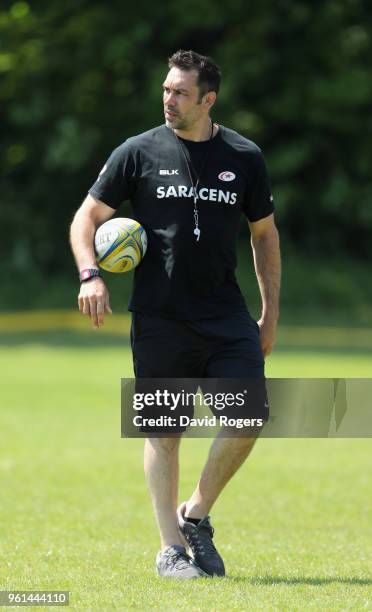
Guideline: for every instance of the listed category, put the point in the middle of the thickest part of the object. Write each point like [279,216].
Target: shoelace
[176,559]
[201,540]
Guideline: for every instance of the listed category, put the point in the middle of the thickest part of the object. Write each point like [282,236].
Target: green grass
[293,525]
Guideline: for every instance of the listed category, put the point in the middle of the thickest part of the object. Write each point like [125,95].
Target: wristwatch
[88,273]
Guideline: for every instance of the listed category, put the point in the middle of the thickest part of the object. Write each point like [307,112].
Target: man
[188,181]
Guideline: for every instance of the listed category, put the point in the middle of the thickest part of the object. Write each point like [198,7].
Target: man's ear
[209,99]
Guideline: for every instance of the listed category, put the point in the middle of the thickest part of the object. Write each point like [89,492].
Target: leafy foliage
[79,77]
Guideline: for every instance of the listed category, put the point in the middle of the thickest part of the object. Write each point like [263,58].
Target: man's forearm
[266,254]
[81,237]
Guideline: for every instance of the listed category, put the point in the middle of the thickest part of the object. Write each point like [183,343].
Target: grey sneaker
[174,562]
[199,538]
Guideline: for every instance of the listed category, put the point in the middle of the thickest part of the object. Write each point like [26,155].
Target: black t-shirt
[181,277]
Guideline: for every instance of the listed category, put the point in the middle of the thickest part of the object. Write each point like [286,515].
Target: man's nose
[170,98]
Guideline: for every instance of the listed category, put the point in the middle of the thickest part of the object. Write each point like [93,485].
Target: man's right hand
[94,300]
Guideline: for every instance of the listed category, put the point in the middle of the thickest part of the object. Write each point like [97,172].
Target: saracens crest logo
[226,175]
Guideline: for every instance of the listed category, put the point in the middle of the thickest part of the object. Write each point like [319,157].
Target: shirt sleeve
[259,202]
[115,182]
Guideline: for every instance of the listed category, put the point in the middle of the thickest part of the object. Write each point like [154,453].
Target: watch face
[88,273]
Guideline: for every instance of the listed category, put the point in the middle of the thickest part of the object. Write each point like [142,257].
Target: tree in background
[79,77]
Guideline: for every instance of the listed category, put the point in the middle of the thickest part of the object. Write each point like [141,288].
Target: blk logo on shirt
[168,172]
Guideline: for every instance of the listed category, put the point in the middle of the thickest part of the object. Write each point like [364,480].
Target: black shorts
[211,351]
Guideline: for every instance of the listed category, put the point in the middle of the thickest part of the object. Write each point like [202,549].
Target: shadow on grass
[66,338]
[267,580]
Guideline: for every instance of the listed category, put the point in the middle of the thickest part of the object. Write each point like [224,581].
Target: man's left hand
[267,334]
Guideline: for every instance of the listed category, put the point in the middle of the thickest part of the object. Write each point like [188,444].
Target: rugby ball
[120,244]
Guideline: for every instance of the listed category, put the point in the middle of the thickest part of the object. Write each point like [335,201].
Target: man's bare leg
[161,470]
[225,457]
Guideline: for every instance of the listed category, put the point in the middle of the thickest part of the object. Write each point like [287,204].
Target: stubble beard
[177,124]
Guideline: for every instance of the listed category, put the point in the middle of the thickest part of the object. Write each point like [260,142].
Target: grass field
[293,525]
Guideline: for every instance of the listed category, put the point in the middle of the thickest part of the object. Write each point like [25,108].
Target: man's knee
[245,436]
[164,445]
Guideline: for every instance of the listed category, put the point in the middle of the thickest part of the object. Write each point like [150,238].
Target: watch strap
[88,273]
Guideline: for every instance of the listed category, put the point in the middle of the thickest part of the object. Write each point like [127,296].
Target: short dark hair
[209,74]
